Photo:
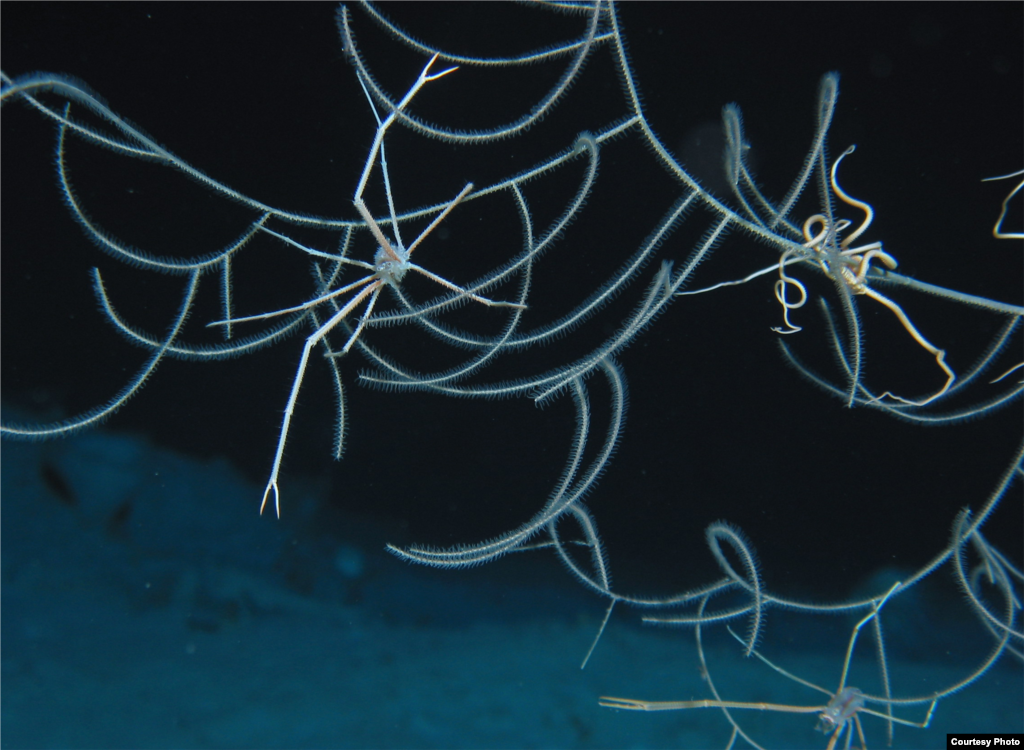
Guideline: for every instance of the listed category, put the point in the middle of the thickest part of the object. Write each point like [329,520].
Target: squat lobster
[837,717]
[390,265]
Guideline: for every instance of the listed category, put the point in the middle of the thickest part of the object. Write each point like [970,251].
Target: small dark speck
[57,484]
[118,520]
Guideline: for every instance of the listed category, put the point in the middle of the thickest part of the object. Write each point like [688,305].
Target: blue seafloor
[146,604]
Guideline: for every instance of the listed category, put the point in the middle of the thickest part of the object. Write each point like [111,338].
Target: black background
[260,97]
